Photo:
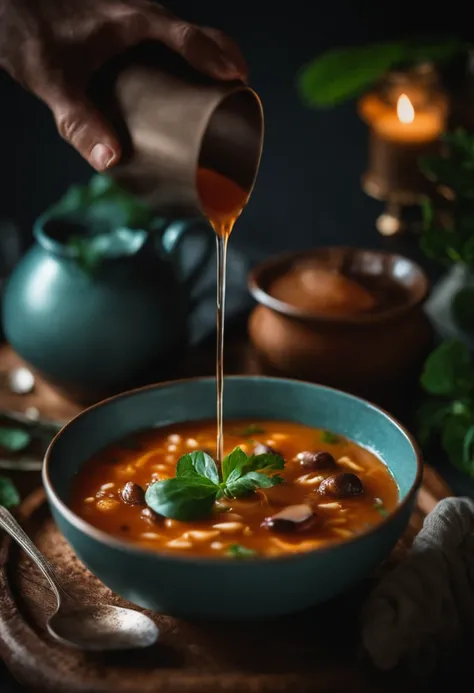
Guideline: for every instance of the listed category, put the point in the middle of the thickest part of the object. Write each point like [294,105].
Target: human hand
[52,47]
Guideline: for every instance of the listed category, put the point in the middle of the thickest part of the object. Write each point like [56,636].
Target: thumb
[83,126]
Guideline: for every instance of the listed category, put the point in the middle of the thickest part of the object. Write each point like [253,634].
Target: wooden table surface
[239,359]
[54,406]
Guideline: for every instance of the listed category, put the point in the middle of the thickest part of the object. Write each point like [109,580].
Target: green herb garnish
[380,508]
[328,437]
[198,483]
[14,439]
[239,551]
[9,496]
[251,430]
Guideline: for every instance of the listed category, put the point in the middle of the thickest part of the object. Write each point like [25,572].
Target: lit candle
[406,114]
[405,125]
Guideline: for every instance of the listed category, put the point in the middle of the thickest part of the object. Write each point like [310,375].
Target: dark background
[308,191]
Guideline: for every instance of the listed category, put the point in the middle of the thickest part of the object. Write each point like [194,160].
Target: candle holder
[406,115]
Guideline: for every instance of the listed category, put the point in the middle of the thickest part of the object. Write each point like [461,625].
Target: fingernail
[229,67]
[101,157]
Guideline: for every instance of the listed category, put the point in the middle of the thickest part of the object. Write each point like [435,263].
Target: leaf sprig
[103,220]
[344,73]
[9,495]
[448,415]
[448,234]
[199,482]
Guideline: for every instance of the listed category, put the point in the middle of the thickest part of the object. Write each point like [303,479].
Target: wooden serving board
[317,651]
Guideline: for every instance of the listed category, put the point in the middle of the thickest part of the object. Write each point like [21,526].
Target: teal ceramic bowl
[225,587]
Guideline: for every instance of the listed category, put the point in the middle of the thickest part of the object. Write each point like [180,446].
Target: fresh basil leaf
[448,371]
[447,234]
[239,551]
[88,257]
[183,498]
[109,243]
[251,482]
[185,467]
[455,431]
[251,430]
[14,439]
[104,206]
[233,464]
[199,463]
[9,496]
[452,167]
[266,461]
[430,417]
[344,73]
[421,51]
[329,437]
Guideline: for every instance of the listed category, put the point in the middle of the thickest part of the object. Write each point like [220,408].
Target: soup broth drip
[222,201]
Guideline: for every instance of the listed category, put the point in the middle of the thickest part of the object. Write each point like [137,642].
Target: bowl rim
[129,547]
[264,298]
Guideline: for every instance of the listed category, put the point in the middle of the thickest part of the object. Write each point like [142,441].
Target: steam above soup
[281,488]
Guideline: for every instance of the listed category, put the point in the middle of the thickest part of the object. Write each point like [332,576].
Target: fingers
[82,126]
[220,59]
[230,48]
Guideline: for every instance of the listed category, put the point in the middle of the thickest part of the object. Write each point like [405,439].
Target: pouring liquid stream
[222,202]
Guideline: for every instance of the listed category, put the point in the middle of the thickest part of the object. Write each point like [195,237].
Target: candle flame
[405,110]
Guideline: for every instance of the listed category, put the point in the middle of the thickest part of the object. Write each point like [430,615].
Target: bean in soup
[282,488]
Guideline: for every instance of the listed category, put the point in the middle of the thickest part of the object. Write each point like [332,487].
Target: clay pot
[367,353]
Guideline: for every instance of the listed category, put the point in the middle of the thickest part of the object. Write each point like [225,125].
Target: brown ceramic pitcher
[172,119]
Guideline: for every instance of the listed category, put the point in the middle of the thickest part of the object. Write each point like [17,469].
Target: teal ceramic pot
[223,587]
[92,333]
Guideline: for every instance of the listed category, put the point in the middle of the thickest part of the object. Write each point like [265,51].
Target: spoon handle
[11,526]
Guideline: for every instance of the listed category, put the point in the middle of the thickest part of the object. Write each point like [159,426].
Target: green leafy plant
[103,204]
[199,482]
[448,233]
[102,220]
[345,73]
[448,230]
[9,496]
[448,414]
[14,439]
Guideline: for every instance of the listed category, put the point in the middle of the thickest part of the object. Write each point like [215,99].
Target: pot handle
[177,232]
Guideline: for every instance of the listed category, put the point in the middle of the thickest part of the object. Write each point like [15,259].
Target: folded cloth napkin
[422,609]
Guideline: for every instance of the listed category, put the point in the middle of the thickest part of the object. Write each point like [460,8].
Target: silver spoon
[91,627]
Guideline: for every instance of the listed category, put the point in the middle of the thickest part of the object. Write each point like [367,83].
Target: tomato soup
[282,488]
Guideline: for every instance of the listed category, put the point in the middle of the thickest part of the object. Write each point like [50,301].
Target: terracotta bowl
[364,353]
